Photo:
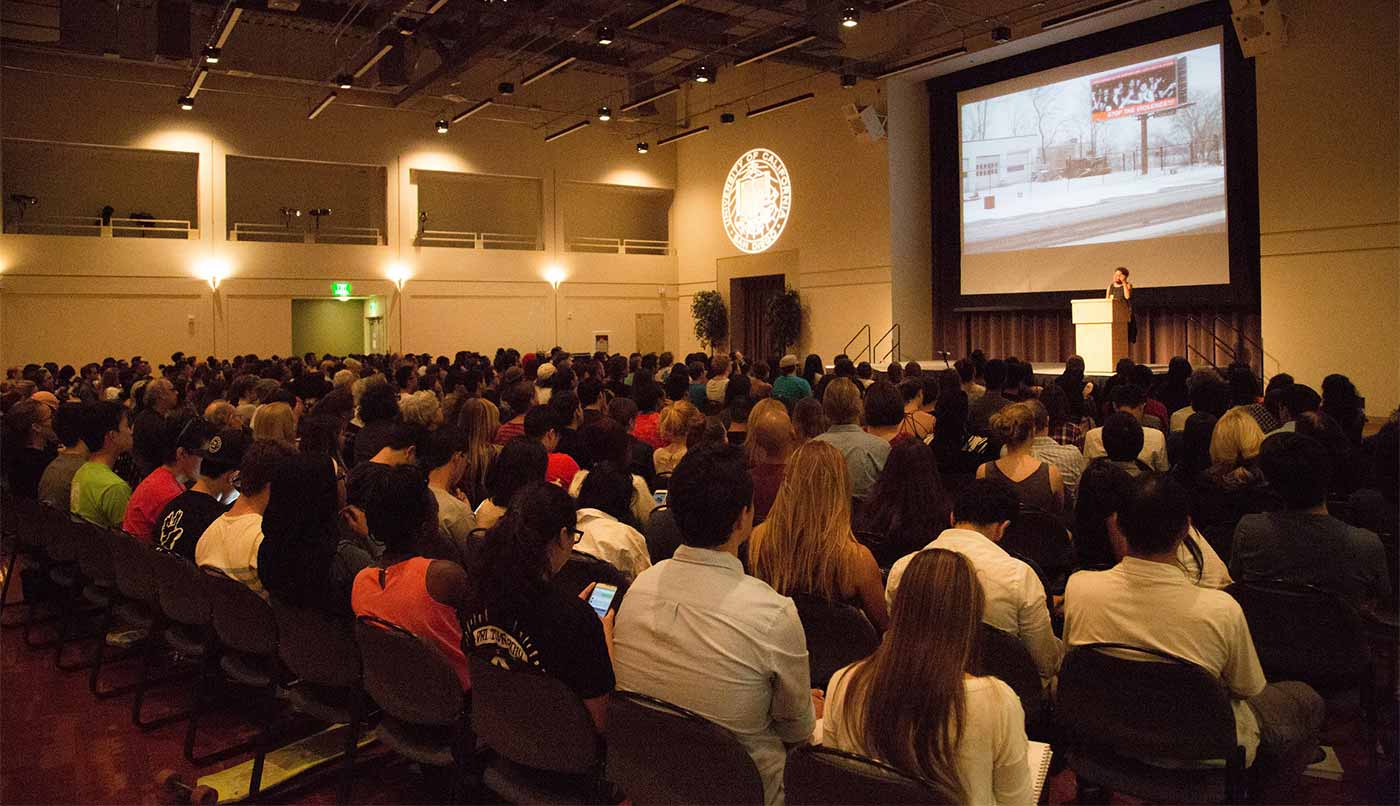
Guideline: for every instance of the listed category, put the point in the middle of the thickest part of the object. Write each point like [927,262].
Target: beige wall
[141,294]
[1329,197]
[839,227]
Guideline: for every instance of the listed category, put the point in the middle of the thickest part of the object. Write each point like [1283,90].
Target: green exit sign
[342,288]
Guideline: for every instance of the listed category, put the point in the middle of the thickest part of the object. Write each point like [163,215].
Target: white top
[487,513]
[696,631]
[1214,573]
[1179,418]
[230,544]
[1154,605]
[991,757]
[1154,448]
[714,388]
[607,538]
[455,516]
[1015,597]
[642,502]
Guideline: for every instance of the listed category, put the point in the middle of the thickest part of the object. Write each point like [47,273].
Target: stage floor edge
[1042,370]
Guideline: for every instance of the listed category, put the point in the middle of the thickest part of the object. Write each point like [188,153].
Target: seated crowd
[476,502]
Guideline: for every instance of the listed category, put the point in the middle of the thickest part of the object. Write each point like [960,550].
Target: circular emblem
[215,444]
[757,200]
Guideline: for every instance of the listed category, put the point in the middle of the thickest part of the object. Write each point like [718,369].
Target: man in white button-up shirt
[1133,400]
[697,632]
[1148,601]
[1015,597]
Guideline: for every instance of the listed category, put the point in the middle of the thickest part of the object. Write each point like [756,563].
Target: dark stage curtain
[1203,335]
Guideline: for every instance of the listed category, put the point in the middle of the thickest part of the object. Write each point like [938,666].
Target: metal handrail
[447,237]
[621,246]
[1244,337]
[869,346]
[281,233]
[1203,356]
[116,227]
[508,240]
[895,343]
[1229,349]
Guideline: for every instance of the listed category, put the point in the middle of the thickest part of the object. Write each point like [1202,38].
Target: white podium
[1100,332]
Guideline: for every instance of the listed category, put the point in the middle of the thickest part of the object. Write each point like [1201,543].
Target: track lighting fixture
[726,118]
[604,114]
[850,17]
[442,126]
[847,81]
[345,81]
[211,55]
[505,88]
[643,148]
[702,74]
[605,36]
[187,103]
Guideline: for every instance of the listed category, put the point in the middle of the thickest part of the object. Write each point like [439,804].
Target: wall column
[911,224]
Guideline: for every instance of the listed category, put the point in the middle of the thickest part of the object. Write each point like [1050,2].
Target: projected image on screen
[1086,170]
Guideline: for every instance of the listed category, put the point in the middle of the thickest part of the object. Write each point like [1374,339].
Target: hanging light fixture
[643,148]
[442,126]
[702,74]
[186,103]
[605,36]
[604,114]
[850,17]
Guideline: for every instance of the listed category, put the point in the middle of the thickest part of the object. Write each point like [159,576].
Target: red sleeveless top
[403,599]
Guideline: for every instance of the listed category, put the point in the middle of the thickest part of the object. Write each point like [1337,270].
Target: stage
[1043,371]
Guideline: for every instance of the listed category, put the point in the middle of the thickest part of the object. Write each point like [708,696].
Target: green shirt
[99,495]
[791,388]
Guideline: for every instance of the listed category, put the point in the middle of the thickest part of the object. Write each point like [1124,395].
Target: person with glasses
[521,618]
[187,515]
[178,447]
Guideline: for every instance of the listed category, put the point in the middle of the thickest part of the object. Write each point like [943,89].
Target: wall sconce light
[554,275]
[213,271]
[399,274]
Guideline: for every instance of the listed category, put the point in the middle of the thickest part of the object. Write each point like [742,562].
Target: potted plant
[783,318]
[711,318]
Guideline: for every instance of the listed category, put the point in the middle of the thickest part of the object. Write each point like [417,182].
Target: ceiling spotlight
[407,26]
[850,17]
[211,55]
[642,148]
[345,81]
[187,103]
[604,114]
[726,118]
[505,88]
[605,36]
[847,81]
[442,126]
[702,74]
[1001,33]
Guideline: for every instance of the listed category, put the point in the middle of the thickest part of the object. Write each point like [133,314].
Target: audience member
[158,399]
[605,516]
[907,507]
[966,379]
[918,422]
[882,409]
[865,453]
[770,443]
[808,419]
[479,420]
[29,446]
[421,409]
[378,411]
[568,417]
[1037,483]
[916,703]
[521,463]
[231,541]
[1172,390]
[1341,400]
[1122,443]
[697,632]
[99,495]
[608,441]
[1014,595]
[1146,601]
[277,422]
[541,427]
[444,457]
[638,455]
[674,426]
[980,411]
[648,397]
[789,387]
[181,522]
[1130,398]
[517,398]
[56,483]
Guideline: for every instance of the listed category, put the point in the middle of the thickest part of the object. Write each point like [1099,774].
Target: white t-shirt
[487,513]
[991,756]
[607,538]
[230,544]
[642,502]
[1154,448]
[455,516]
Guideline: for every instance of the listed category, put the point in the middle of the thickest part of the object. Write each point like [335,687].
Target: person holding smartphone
[519,619]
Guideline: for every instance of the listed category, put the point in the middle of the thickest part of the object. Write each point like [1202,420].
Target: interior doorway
[651,333]
[749,298]
[332,326]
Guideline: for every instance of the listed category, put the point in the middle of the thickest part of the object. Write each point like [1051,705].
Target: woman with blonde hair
[1037,483]
[806,544]
[479,419]
[276,421]
[915,703]
[771,440]
[675,424]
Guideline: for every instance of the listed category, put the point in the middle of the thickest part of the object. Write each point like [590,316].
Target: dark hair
[519,397]
[809,418]
[397,504]
[1128,396]
[986,501]
[995,373]
[1123,269]
[403,376]
[812,367]
[677,383]
[378,402]
[521,462]
[300,531]
[443,443]
[100,418]
[1056,404]
[563,404]
[623,410]
[910,388]
[1104,489]
[605,440]
[1156,516]
[608,487]
[511,567]
[1122,437]
[68,424]
[1299,399]
[260,463]
[588,391]
[402,435]
[1210,395]
[1195,442]
[708,492]
[320,433]
[907,504]
[1298,468]
[647,395]
[539,420]
[964,369]
[1142,376]
[883,405]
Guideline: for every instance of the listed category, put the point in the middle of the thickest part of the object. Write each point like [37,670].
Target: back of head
[512,566]
[98,420]
[1236,438]
[709,490]
[1298,468]
[1128,396]
[1299,399]
[770,429]
[986,502]
[841,402]
[521,462]
[677,419]
[275,421]
[1195,441]
[421,409]
[908,496]
[807,534]
[441,446]
[604,440]
[1013,425]
[1104,489]
[648,395]
[1209,392]
[883,406]
[964,369]
[378,400]
[677,385]
[608,487]
[623,410]
[1122,437]
[539,421]
[403,436]
[809,418]
[1156,515]
[719,365]
[1142,376]
[995,373]
[397,506]
[68,424]
[303,502]
[519,396]
[588,391]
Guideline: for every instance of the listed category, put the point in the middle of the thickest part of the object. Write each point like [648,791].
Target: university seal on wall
[757,200]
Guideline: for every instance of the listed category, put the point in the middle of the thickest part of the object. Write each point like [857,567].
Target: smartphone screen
[659,497]
[601,599]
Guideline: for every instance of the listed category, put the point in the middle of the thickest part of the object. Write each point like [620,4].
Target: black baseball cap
[224,451]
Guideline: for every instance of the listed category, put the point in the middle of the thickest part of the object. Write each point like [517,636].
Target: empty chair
[838,635]
[133,564]
[66,536]
[1113,711]
[185,605]
[535,722]
[425,711]
[20,520]
[1004,656]
[822,776]
[647,740]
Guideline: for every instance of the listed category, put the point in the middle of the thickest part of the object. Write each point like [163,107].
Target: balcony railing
[280,233]
[92,226]
[618,246]
[461,239]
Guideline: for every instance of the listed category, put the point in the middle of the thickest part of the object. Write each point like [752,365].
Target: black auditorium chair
[646,739]
[823,776]
[1112,711]
[1004,656]
[838,634]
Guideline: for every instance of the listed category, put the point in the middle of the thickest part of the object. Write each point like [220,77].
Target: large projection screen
[1114,161]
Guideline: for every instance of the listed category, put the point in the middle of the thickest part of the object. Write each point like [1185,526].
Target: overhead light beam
[775,106]
[924,62]
[373,60]
[758,57]
[655,96]
[651,15]
[682,135]
[321,107]
[480,105]
[232,20]
[567,130]
[199,76]
[545,71]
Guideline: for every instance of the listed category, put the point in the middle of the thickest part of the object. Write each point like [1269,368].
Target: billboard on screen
[1148,87]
